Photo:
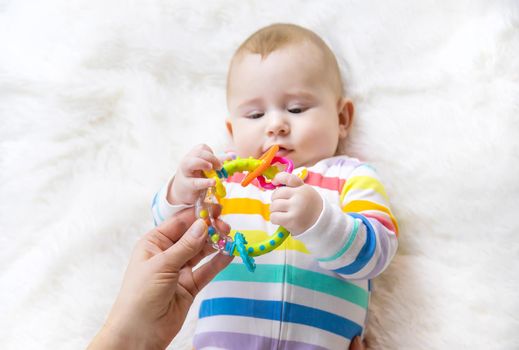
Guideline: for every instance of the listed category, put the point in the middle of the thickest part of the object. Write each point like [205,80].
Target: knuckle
[291,215]
[204,147]
[187,244]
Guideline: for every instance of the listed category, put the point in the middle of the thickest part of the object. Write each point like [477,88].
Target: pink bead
[221,244]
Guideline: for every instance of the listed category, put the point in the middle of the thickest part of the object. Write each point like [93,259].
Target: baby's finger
[198,148]
[280,205]
[290,180]
[205,152]
[201,183]
[280,218]
[193,165]
[282,193]
[225,156]
[211,158]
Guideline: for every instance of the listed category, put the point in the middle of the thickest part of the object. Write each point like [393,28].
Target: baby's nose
[278,125]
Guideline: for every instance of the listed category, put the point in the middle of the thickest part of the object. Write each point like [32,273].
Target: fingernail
[198,229]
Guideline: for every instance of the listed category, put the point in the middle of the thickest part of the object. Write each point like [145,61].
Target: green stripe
[347,245]
[268,273]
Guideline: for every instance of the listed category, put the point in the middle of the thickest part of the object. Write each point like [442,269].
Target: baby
[284,88]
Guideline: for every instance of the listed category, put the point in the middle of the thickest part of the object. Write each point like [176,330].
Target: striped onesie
[313,291]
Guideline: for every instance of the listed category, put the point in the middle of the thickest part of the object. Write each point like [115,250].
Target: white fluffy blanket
[99,100]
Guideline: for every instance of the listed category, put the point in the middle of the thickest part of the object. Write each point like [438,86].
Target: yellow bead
[203,213]
[215,238]
[303,174]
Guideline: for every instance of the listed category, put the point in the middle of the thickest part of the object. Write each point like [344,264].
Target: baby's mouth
[283,152]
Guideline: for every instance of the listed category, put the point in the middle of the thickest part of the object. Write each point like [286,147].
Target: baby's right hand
[189,181]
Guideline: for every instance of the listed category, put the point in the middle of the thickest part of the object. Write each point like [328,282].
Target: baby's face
[286,99]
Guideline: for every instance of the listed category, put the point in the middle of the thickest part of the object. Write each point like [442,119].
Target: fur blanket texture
[99,99]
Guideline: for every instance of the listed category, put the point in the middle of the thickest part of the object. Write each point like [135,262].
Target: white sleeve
[160,207]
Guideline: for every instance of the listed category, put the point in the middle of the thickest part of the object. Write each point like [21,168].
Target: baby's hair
[276,36]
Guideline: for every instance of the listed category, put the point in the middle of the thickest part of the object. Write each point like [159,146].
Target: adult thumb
[191,243]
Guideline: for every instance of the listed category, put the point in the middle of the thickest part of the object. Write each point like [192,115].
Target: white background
[100,99]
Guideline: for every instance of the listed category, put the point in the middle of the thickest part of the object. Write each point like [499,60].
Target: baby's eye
[255,115]
[296,110]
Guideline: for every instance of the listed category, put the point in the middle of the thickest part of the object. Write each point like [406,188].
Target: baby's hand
[189,181]
[296,206]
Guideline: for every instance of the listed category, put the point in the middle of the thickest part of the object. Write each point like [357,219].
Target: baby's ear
[346,111]
[228,125]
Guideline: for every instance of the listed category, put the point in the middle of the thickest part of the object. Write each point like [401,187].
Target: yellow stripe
[257,235]
[245,206]
[363,183]
[362,205]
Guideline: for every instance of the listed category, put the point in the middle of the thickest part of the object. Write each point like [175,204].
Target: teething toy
[262,169]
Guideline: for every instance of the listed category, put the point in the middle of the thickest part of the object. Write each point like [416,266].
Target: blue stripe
[367,251]
[281,311]
[156,205]
[154,199]
[347,246]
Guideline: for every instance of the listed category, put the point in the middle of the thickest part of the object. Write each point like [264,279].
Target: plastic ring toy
[262,169]
[266,159]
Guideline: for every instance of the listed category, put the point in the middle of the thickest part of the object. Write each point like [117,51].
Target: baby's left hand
[296,206]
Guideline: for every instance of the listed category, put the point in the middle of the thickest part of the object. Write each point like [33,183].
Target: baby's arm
[359,239]
[188,183]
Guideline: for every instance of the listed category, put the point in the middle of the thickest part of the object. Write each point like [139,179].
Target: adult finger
[216,209]
[203,254]
[223,228]
[174,227]
[357,344]
[191,243]
[205,273]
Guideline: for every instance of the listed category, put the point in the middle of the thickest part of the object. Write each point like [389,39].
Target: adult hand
[160,284]
[357,344]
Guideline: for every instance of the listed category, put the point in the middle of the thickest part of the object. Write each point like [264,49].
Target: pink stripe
[382,219]
[330,183]
[314,179]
